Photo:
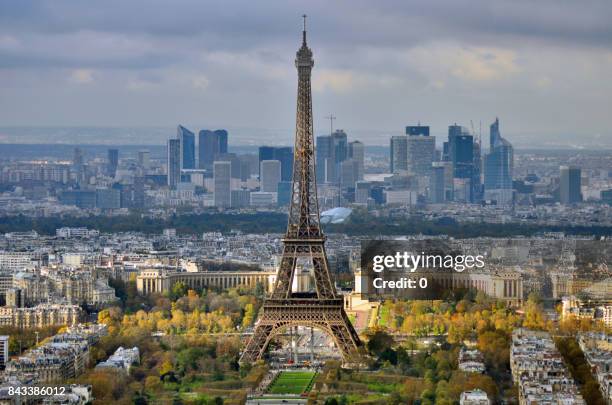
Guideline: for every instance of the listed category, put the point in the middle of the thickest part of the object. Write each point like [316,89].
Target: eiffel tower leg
[343,333]
[258,343]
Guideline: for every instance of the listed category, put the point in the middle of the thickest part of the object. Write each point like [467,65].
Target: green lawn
[383,319]
[292,382]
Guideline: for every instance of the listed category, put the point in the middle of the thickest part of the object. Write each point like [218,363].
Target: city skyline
[530,65]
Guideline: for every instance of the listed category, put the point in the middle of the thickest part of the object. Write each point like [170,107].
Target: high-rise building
[339,150]
[222,172]
[498,167]
[249,165]
[77,159]
[477,187]
[461,154]
[284,154]
[331,150]
[144,159]
[362,192]
[461,151]
[174,162]
[356,151]
[270,175]
[187,139]
[81,198]
[78,165]
[108,198]
[494,134]
[323,152]
[399,154]
[420,153]
[235,163]
[569,185]
[138,194]
[284,193]
[240,198]
[417,130]
[113,161]
[348,173]
[437,184]
[211,144]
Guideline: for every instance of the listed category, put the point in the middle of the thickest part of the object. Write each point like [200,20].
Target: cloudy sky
[544,67]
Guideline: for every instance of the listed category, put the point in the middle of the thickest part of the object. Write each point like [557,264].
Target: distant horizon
[246,136]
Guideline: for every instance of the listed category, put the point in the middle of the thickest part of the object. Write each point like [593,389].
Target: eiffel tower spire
[323,308]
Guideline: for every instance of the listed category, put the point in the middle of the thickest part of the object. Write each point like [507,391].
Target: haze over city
[545,68]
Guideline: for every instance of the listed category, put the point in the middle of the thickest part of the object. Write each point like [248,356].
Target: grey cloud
[378,64]
[178,29]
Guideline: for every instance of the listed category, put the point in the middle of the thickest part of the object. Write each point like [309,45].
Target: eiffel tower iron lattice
[322,309]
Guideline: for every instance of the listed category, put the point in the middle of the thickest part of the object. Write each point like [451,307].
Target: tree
[534,313]
[378,341]
[249,315]
[179,289]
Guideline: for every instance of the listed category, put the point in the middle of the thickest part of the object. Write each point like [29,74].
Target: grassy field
[292,382]
[383,313]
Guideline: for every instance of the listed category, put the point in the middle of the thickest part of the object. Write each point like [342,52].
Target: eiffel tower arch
[322,309]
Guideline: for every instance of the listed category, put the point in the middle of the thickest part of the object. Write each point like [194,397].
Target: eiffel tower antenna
[324,308]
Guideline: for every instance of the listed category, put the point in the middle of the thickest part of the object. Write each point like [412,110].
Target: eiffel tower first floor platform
[325,314]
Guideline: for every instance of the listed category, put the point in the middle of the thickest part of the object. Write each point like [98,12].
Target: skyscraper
[222,178]
[270,175]
[416,130]
[477,188]
[174,162]
[187,139]
[240,198]
[437,184]
[498,167]
[331,151]
[323,152]
[78,165]
[362,192]
[348,172]
[461,154]
[461,151]
[421,149]
[144,159]
[236,172]
[494,134]
[284,193]
[211,144]
[356,152]
[399,154]
[339,153]
[113,162]
[569,185]
[284,154]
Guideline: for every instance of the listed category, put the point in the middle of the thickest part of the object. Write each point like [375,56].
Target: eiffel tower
[322,309]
